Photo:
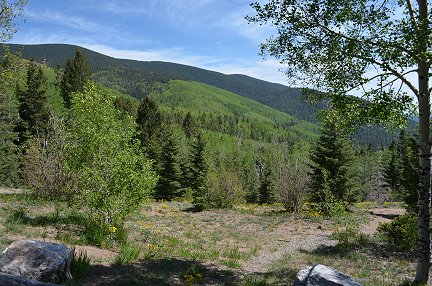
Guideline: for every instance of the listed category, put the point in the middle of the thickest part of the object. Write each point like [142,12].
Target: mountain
[142,78]
[137,78]
[226,112]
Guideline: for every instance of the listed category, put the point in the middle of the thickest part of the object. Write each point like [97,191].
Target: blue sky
[210,34]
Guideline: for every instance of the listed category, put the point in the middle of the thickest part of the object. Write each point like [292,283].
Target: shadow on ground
[160,272]
[281,277]
[371,249]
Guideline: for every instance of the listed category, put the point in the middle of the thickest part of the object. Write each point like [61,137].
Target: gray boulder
[38,260]
[10,280]
[321,275]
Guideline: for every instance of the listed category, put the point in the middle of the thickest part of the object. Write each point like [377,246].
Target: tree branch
[412,15]
[365,40]
[394,72]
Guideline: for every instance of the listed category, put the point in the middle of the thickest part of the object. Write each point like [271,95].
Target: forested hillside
[134,77]
[104,153]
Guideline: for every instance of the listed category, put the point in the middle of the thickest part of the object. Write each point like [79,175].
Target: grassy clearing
[170,245]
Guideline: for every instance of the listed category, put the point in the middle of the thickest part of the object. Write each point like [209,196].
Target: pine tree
[331,177]
[393,169]
[198,173]
[409,177]
[189,125]
[265,190]
[75,76]
[150,128]
[169,172]
[11,71]
[33,101]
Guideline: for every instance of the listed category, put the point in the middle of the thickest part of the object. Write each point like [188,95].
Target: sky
[210,34]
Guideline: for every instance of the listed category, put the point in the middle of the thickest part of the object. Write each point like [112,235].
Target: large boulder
[38,260]
[321,275]
[10,280]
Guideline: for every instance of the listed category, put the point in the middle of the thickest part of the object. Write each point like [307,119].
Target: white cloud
[215,19]
[74,22]
[265,70]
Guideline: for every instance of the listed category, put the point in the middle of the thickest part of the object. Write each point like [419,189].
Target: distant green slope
[254,117]
[141,78]
[136,77]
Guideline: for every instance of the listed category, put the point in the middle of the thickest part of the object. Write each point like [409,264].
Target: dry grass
[249,245]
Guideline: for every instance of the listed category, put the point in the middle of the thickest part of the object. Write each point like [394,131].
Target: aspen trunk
[424,195]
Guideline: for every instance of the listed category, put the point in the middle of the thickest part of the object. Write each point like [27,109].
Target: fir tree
[189,125]
[10,72]
[169,172]
[265,190]
[410,172]
[393,169]
[150,128]
[75,76]
[32,108]
[198,172]
[331,177]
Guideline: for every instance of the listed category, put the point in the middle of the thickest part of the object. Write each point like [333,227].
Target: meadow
[169,244]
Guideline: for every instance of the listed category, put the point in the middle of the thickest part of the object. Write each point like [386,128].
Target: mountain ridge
[275,95]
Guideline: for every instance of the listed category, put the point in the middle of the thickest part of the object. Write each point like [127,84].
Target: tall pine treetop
[75,76]
[33,110]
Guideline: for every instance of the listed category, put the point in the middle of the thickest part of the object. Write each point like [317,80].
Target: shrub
[224,189]
[43,162]
[292,188]
[112,177]
[401,233]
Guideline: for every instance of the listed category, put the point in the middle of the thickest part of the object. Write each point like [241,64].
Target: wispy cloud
[112,27]
[265,70]
[176,55]
[75,22]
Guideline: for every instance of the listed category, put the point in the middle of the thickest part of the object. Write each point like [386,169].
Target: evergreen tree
[33,100]
[331,177]
[75,76]
[265,190]
[11,71]
[149,128]
[126,105]
[189,125]
[198,173]
[393,169]
[410,172]
[169,172]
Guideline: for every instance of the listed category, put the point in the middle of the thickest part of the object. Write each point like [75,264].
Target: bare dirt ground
[276,235]
[291,239]
[380,215]
[10,191]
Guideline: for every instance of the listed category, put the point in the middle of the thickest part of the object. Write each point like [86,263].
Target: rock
[321,275]
[10,280]
[38,260]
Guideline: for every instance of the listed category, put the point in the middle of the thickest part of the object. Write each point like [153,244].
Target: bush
[43,163]
[401,233]
[292,188]
[349,236]
[112,177]
[224,190]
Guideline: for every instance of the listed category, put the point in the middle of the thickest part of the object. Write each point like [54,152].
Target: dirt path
[380,215]
[288,239]
[10,191]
